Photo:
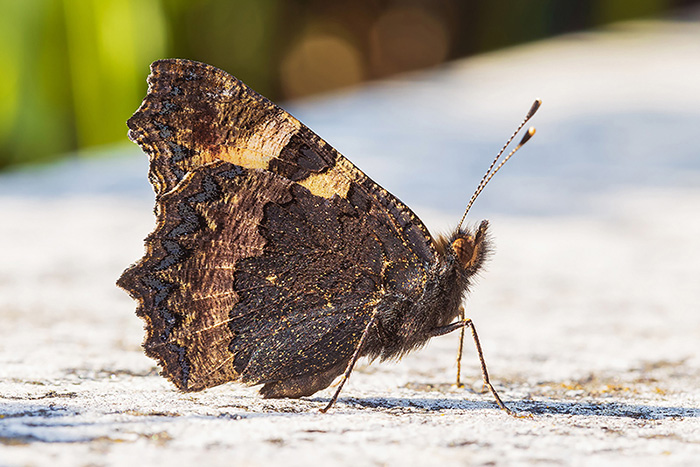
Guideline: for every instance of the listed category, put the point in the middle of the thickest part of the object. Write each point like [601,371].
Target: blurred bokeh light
[74,70]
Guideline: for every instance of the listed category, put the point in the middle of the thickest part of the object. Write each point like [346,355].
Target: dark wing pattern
[267,239]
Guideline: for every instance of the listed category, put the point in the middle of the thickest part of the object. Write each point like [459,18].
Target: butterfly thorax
[404,323]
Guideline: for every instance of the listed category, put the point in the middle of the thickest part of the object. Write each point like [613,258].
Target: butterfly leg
[467,323]
[460,349]
[353,360]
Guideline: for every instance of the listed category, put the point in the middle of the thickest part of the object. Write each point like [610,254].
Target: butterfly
[274,260]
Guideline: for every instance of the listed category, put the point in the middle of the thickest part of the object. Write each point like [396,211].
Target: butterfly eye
[465,248]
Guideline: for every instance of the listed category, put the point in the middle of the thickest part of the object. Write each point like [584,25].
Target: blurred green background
[74,70]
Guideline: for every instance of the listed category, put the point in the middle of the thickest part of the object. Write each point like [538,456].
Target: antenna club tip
[526,137]
[535,106]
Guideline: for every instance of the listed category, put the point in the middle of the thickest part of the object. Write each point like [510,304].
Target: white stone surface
[589,313]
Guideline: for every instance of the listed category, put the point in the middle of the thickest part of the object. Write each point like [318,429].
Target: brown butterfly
[275,260]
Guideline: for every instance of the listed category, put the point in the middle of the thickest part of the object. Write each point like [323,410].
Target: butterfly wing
[271,250]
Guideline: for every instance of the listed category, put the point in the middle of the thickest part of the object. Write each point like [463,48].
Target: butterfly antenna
[491,170]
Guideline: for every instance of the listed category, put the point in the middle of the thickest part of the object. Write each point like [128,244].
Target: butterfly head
[470,248]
